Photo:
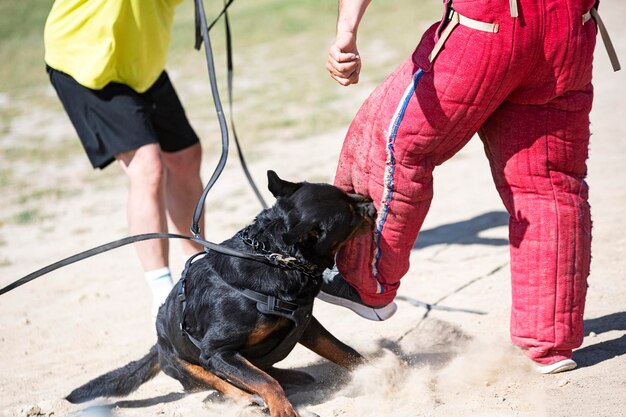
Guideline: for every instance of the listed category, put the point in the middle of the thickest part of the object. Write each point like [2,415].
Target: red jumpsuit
[525,87]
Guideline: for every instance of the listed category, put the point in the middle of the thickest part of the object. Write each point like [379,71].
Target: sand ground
[88,318]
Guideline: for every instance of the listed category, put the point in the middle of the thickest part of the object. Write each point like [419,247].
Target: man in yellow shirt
[106,60]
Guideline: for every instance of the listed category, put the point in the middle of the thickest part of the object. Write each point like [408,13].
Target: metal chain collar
[278,259]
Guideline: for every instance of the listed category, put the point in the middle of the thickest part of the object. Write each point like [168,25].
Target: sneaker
[554,368]
[335,290]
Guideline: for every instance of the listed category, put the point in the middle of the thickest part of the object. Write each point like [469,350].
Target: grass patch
[6,117]
[80,231]
[54,193]
[29,216]
[254,23]
[110,177]
[39,150]
[21,45]
[282,90]
[6,177]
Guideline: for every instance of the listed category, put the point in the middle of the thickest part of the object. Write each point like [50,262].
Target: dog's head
[319,218]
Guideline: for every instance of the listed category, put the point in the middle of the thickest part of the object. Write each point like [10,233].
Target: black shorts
[117,119]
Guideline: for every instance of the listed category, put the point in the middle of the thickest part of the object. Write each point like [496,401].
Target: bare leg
[146,205]
[183,188]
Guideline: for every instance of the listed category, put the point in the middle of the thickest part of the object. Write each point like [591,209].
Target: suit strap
[606,39]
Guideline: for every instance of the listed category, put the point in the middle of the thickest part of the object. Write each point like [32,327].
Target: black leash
[224,10]
[229,59]
[274,259]
[202,35]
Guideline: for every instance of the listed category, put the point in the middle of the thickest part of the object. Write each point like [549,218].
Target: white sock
[160,282]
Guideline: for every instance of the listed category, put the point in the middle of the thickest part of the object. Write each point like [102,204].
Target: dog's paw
[215,397]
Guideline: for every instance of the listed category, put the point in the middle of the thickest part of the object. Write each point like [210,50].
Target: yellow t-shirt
[102,41]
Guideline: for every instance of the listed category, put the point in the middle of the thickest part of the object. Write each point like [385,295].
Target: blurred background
[281,90]
[291,117]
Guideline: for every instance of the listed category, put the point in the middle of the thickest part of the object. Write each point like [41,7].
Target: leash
[229,62]
[274,259]
[202,35]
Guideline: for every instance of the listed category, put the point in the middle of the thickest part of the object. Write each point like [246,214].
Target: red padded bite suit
[526,89]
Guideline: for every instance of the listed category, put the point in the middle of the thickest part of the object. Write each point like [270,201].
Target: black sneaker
[336,290]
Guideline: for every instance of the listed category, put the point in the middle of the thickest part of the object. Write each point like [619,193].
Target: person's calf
[183,189]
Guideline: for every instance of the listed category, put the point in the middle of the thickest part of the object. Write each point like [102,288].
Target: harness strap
[458,19]
[266,304]
[513,8]
[478,25]
[183,299]
[606,39]
[301,318]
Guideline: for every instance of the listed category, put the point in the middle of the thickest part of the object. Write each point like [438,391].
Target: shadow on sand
[609,349]
[107,410]
[465,232]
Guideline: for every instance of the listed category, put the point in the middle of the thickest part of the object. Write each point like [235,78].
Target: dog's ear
[364,205]
[358,198]
[302,233]
[279,187]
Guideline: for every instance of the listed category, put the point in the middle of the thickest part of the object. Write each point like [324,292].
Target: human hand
[344,61]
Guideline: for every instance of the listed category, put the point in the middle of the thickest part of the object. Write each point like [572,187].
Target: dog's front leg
[322,342]
[238,370]
[203,377]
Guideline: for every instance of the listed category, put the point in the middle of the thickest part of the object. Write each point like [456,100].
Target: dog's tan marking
[261,332]
[213,381]
[322,342]
[270,391]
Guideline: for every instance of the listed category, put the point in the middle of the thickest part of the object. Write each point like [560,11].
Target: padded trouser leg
[411,123]
[425,112]
[537,156]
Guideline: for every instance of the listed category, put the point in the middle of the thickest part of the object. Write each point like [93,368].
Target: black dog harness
[300,315]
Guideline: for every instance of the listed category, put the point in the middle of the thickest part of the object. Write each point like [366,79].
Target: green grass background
[282,90]
[301,29]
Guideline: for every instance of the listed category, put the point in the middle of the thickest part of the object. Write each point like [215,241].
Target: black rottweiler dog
[230,319]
